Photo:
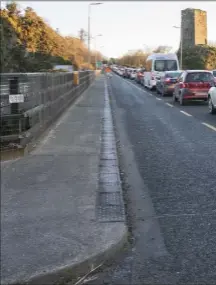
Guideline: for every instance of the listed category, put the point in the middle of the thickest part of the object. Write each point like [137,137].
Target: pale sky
[124,25]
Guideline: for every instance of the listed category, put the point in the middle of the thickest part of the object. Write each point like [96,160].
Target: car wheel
[212,110]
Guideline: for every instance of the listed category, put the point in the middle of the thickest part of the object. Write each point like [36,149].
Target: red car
[140,75]
[193,85]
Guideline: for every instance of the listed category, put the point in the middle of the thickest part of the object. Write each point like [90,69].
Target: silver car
[212,100]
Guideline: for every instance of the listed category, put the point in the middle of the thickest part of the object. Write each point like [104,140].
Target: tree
[199,57]
[29,43]
[162,49]
[133,59]
[13,9]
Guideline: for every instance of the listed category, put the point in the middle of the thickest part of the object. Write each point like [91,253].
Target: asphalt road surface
[168,164]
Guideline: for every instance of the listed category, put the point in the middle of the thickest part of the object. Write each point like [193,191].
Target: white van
[156,65]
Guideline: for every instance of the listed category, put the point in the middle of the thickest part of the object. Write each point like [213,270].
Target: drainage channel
[110,205]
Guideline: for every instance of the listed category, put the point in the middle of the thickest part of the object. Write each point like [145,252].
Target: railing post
[14,90]
[76,78]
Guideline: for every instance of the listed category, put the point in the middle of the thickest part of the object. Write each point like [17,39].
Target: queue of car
[163,75]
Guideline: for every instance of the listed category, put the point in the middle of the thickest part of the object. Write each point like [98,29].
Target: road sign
[98,64]
[16,98]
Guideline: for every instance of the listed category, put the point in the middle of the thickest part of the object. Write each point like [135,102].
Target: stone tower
[194,27]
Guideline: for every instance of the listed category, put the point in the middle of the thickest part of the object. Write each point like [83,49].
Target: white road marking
[159,99]
[136,86]
[170,105]
[186,114]
[209,126]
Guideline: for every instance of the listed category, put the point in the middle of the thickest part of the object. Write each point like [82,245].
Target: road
[168,165]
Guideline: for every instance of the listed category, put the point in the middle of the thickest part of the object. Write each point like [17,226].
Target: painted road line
[141,89]
[159,99]
[186,114]
[209,126]
[170,105]
[135,86]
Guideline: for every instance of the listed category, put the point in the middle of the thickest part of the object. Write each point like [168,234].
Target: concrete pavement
[61,206]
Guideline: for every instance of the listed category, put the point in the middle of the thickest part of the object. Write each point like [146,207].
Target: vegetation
[28,44]
[197,57]
[138,58]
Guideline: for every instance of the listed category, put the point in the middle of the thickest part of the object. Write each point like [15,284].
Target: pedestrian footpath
[50,230]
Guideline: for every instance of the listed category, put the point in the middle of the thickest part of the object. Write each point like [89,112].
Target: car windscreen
[165,65]
[199,77]
[214,73]
[173,74]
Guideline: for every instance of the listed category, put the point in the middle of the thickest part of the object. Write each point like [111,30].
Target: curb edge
[69,274]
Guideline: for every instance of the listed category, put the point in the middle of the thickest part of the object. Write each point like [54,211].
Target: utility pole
[89,30]
[89,51]
[181,44]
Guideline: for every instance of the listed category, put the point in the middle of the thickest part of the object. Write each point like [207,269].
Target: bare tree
[212,43]
[162,49]
[82,35]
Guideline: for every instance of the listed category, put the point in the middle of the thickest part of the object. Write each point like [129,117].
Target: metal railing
[42,97]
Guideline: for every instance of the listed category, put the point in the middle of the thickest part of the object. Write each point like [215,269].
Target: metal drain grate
[109,199]
[111,214]
[110,187]
[109,177]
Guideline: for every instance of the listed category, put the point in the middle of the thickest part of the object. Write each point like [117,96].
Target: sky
[124,26]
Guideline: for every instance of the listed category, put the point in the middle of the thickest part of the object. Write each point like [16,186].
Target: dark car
[128,72]
[166,84]
[125,72]
[193,85]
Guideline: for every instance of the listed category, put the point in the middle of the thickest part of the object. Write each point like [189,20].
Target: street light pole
[95,53]
[89,31]
[89,21]
[181,44]
[95,38]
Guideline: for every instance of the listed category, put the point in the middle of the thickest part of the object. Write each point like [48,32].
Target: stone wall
[200,27]
[194,27]
[188,28]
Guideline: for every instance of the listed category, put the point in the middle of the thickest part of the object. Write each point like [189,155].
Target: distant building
[194,27]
